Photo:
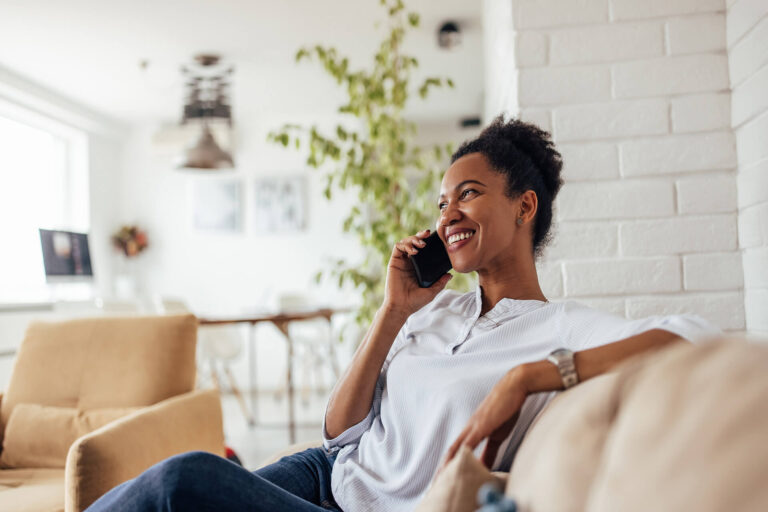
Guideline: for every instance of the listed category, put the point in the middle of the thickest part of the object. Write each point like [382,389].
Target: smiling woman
[437,369]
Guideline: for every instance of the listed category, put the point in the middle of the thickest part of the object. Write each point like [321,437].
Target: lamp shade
[207,154]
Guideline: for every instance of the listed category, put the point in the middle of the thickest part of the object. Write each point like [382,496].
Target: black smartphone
[431,262]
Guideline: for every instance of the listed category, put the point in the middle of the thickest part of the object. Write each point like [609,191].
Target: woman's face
[477,218]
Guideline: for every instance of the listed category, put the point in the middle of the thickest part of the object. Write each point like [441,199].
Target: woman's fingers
[411,245]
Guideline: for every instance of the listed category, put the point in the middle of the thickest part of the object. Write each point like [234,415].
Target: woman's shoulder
[447,300]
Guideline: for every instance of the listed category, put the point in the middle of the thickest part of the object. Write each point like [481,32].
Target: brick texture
[616,200]
[701,112]
[612,119]
[749,54]
[714,271]
[678,153]
[696,34]
[664,209]
[709,193]
[718,307]
[594,161]
[679,235]
[607,43]
[544,86]
[747,34]
[671,75]
[634,9]
[549,13]
[619,277]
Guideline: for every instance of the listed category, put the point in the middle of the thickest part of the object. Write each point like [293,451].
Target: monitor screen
[65,254]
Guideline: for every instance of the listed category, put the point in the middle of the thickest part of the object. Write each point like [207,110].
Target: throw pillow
[39,436]
[455,488]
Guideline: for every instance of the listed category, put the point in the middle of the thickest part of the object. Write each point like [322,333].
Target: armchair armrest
[123,449]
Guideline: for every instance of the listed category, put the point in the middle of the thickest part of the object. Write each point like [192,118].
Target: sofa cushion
[32,490]
[555,464]
[690,433]
[455,488]
[103,362]
[39,436]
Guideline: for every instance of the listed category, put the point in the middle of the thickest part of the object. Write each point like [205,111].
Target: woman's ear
[529,203]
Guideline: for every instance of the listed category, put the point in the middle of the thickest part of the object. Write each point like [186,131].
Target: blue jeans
[202,481]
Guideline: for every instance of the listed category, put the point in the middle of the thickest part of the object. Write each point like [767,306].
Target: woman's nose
[449,215]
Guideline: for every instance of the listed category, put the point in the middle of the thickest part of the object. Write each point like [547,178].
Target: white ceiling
[89,51]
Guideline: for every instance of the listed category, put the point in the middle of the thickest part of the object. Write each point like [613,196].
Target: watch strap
[562,358]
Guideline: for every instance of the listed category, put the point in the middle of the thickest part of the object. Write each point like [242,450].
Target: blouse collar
[506,307]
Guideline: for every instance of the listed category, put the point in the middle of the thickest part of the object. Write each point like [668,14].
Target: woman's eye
[467,192]
[441,205]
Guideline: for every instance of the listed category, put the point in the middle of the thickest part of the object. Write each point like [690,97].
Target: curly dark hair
[526,156]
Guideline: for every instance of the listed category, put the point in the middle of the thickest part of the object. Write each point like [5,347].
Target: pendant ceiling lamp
[207,101]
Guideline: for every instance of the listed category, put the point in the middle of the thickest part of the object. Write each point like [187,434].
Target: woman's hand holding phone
[402,291]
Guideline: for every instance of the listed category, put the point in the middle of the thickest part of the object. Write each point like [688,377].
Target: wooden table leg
[252,386]
[283,326]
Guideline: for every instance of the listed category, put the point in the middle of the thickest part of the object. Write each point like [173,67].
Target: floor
[270,435]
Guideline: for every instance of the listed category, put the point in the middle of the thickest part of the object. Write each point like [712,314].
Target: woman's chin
[462,267]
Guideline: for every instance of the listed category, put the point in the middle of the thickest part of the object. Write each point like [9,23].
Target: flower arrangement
[130,240]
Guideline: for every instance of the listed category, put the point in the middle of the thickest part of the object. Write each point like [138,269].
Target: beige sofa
[94,402]
[682,429]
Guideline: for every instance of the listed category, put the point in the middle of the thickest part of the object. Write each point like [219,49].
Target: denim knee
[180,475]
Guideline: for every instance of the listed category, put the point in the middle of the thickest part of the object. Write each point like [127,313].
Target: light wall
[237,273]
[747,35]
[636,95]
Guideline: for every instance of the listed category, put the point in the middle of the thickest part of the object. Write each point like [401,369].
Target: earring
[520,221]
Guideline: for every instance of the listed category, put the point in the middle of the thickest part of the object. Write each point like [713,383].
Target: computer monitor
[65,256]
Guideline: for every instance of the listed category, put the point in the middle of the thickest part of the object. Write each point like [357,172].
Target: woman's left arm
[498,412]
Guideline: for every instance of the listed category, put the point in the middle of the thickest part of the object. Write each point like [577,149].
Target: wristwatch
[563,359]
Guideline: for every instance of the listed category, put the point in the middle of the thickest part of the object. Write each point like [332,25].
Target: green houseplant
[395,179]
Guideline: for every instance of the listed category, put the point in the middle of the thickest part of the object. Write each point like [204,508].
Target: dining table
[281,321]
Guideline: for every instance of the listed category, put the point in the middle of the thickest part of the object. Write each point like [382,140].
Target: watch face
[561,353]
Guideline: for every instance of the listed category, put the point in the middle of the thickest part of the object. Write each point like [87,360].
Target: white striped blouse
[443,362]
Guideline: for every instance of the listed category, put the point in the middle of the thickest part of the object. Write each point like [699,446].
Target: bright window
[43,184]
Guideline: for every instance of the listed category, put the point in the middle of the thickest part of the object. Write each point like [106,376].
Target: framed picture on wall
[217,205]
[279,204]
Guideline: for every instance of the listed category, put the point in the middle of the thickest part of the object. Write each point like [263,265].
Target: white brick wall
[616,199]
[696,34]
[611,119]
[671,75]
[713,271]
[679,235]
[701,112]
[637,9]
[707,193]
[621,277]
[637,95]
[747,39]
[678,153]
[715,307]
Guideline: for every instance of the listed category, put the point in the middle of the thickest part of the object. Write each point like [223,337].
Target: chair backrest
[103,362]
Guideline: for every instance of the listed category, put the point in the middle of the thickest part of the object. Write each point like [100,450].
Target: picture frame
[217,205]
[279,204]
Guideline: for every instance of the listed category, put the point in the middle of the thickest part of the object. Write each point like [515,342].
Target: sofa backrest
[680,429]
[103,362]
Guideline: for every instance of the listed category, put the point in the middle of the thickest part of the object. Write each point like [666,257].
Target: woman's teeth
[460,236]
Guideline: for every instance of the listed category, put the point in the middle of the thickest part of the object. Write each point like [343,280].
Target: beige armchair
[94,402]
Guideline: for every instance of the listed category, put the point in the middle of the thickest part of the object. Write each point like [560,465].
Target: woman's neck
[520,284]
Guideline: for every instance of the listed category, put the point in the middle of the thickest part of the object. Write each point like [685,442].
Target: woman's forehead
[473,166]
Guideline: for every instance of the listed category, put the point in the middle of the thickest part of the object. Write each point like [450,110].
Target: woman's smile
[458,238]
